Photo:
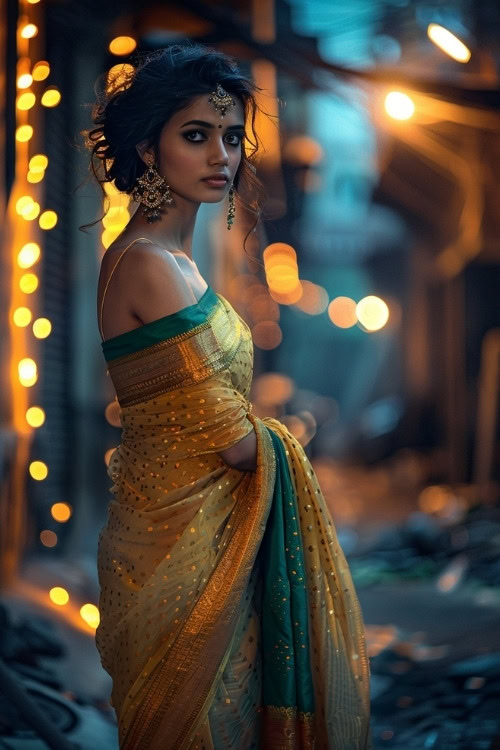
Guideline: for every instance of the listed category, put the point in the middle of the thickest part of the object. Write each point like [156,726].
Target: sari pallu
[228,614]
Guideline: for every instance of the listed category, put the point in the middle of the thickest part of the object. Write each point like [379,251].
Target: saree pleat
[228,615]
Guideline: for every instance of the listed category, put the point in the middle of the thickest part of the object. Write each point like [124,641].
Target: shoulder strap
[110,275]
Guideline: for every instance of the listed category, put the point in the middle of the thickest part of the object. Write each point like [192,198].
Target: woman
[228,614]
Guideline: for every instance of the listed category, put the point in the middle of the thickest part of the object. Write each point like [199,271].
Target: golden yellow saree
[229,619]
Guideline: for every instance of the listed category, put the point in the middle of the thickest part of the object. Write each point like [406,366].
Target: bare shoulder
[154,282]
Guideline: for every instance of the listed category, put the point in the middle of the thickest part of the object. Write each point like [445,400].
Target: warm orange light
[448,42]
[26,100]
[399,106]
[31,211]
[122,45]
[34,177]
[22,203]
[41,70]
[38,163]
[24,81]
[28,255]
[35,416]
[38,470]
[42,328]
[28,283]
[273,388]
[51,97]
[314,299]
[302,150]
[29,31]
[48,538]
[27,372]
[48,220]
[280,262]
[90,614]
[267,334]
[342,312]
[61,512]
[112,413]
[24,133]
[59,595]
[372,312]
[21,317]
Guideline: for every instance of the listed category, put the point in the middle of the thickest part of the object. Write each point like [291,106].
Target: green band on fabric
[160,329]
[287,676]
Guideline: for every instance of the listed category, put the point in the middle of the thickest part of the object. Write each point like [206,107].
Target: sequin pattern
[178,514]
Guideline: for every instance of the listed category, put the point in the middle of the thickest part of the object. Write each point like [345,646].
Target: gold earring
[152,191]
[232,210]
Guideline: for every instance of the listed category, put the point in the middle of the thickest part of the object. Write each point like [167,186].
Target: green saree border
[287,676]
[163,328]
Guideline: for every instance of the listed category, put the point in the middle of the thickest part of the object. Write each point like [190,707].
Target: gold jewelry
[232,209]
[152,191]
[221,100]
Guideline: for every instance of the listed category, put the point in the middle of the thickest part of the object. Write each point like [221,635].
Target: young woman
[229,619]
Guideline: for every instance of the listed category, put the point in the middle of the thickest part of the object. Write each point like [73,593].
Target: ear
[144,151]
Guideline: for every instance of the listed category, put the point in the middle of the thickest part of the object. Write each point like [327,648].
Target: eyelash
[192,132]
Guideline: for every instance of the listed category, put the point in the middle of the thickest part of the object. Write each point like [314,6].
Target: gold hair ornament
[221,100]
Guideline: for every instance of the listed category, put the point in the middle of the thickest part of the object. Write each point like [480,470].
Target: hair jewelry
[221,100]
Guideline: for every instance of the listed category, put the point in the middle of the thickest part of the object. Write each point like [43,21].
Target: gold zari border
[186,359]
[285,728]
[169,712]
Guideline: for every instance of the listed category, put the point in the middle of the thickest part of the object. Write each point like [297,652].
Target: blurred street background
[375,318]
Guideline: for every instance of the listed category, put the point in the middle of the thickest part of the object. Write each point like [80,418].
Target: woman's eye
[192,132]
[236,142]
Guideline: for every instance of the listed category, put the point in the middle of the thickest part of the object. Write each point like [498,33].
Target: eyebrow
[209,125]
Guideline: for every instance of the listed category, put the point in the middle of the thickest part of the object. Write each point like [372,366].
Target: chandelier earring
[232,209]
[152,192]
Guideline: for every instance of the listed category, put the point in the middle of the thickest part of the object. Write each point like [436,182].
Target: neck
[173,231]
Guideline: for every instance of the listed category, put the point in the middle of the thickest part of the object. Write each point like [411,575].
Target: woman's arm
[242,455]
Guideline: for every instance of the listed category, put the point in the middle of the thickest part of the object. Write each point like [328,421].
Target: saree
[229,618]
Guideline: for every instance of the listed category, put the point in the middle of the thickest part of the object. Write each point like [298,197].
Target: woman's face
[196,143]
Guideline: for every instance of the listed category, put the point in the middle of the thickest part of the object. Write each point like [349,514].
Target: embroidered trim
[187,359]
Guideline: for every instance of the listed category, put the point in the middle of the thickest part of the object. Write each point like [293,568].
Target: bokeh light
[122,45]
[372,312]
[90,613]
[22,317]
[41,70]
[61,512]
[48,538]
[26,100]
[342,312]
[399,105]
[51,97]
[448,42]
[24,133]
[27,371]
[48,220]
[28,255]
[28,283]
[59,595]
[42,328]
[38,470]
[35,416]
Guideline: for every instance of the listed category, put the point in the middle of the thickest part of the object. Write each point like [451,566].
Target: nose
[219,154]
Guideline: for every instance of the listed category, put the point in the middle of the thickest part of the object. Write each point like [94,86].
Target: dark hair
[138,101]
